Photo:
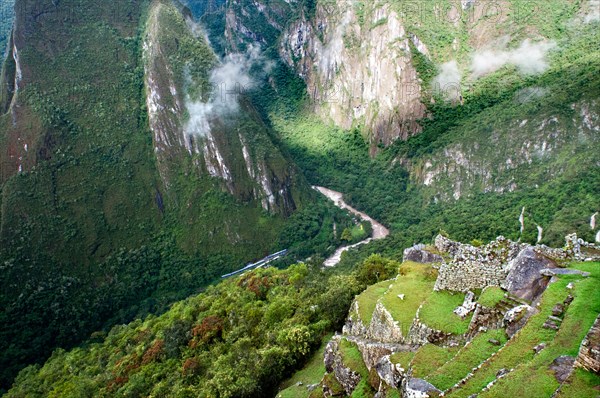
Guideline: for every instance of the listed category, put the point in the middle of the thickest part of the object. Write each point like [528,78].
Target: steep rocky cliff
[358,69]
[199,114]
[379,65]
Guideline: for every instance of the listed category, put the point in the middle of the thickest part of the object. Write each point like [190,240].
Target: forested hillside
[148,147]
[100,222]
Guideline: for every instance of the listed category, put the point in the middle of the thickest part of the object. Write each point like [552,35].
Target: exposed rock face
[515,318]
[484,318]
[359,73]
[354,325]
[589,352]
[243,162]
[422,334]
[524,279]
[467,306]
[556,271]
[471,164]
[390,373]
[562,367]
[334,363]
[418,254]
[383,327]
[419,388]
[373,351]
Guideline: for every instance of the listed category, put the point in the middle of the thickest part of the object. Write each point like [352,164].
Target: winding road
[379,231]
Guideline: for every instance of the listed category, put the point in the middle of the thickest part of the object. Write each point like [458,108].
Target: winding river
[379,231]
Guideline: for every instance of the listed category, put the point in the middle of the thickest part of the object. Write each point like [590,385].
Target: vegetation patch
[402,358]
[581,384]
[429,358]
[471,355]
[437,312]
[367,300]
[416,285]
[491,296]
[352,358]
[312,373]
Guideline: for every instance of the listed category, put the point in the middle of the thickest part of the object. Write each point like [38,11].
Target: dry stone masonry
[520,268]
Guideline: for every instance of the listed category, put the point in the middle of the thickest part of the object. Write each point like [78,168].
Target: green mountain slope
[127,181]
[238,339]
[97,224]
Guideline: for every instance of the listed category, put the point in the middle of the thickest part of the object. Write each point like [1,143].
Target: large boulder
[418,254]
[562,367]
[419,388]
[524,279]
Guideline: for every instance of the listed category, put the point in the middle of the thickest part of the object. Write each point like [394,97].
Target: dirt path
[379,231]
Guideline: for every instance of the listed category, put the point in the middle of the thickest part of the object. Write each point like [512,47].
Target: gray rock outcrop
[419,388]
[562,367]
[390,373]
[335,364]
[467,306]
[524,279]
[419,254]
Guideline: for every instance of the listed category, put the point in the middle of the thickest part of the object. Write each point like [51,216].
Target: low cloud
[447,82]
[230,79]
[529,58]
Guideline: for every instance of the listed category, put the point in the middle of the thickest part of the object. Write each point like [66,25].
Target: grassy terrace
[352,358]
[534,375]
[368,300]
[531,372]
[581,384]
[437,312]
[491,296]
[416,283]
[429,358]
[466,359]
[311,373]
[402,358]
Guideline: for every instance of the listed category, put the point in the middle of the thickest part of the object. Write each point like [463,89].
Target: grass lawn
[581,384]
[368,299]
[491,296]
[312,373]
[402,358]
[466,359]
[429,358]
[416,286]
[518,353]
[437,312]
[533,378]
[352,358]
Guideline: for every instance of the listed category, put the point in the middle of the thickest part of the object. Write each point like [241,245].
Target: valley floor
[379,230]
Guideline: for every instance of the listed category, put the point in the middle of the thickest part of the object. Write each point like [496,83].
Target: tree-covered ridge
[6,19]
[89,234]
[240,338]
